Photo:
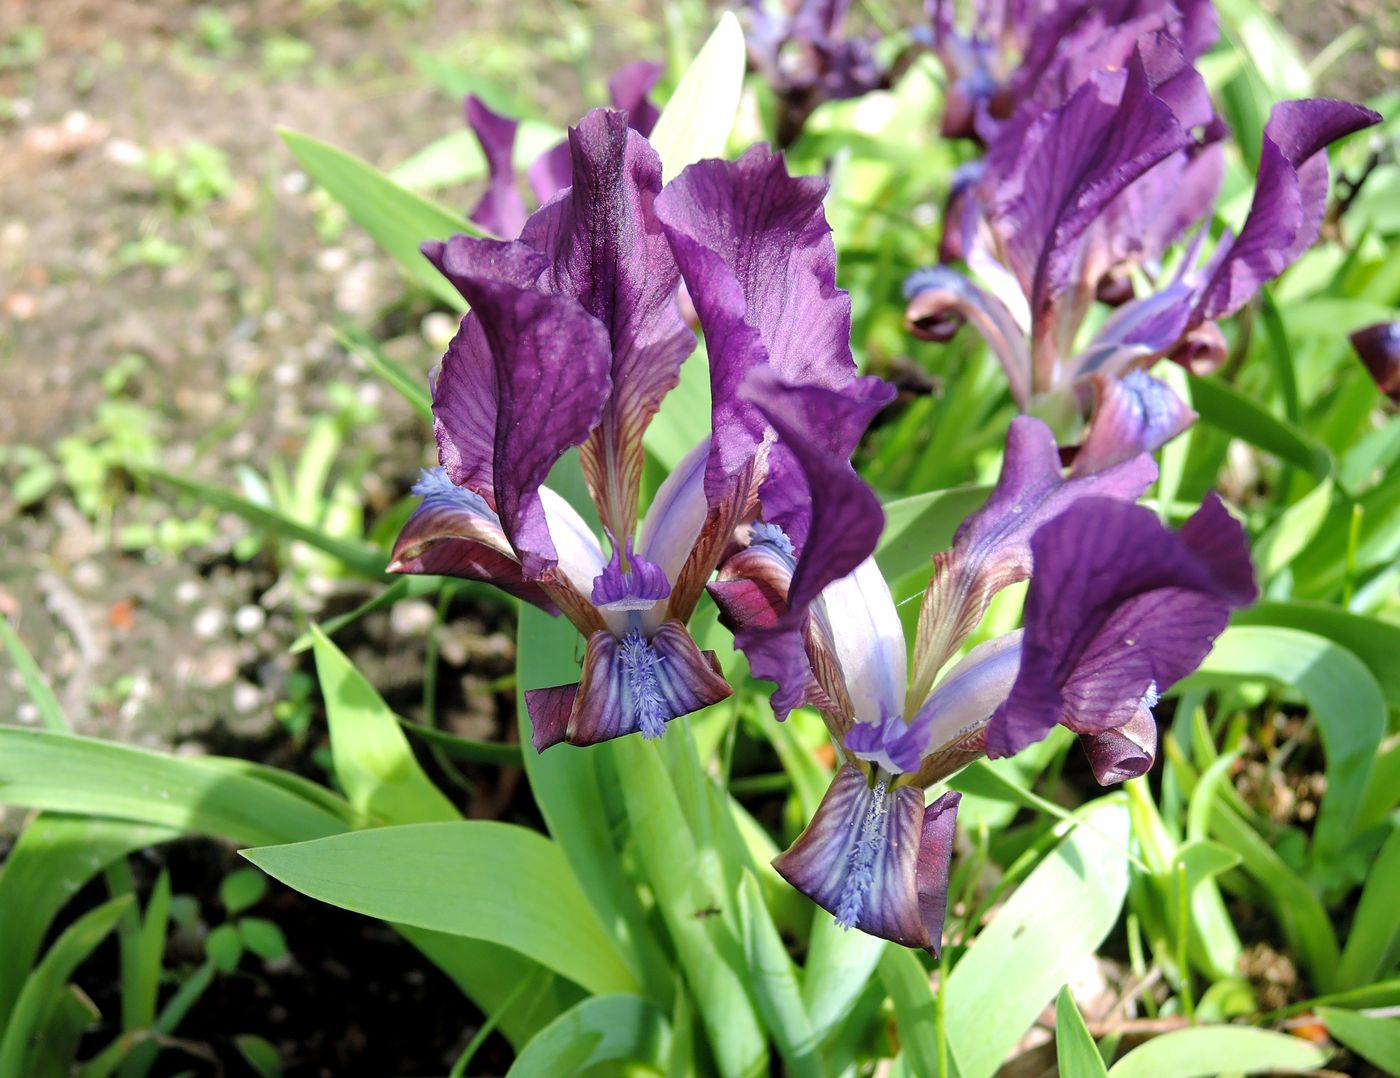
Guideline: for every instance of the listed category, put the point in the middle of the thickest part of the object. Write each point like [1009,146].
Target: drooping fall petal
[501,210]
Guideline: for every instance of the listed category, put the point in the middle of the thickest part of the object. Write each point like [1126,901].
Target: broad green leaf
[696,122]
[1209,1050]
[774,982]
[56,1048]
[360,558]
[603,1029]
[44,988]
[66,773]
[1226,408]
[839,965]
[476,878]
[915,1010]
[1292,531]
[35,684]
[1377,1040]
[918,527]
[398,219]
[1057,917]
[1373,944]
[51,860]
[373,761]
[1343,696]
[1373,641]
[465,748]
[1075,1051]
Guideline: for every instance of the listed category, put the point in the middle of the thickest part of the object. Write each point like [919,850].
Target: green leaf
[476,878]
[1292,531]
[1373,945]
[44,988]
[1058,916]
[67,773]
[915,1010]
[412,389]
[35,684]
[1075,1051]
[262,937]
[1208,1050]
[465,748]
[224,946]
[839,965]
[241,889]
[398,219]
[1342,694]
[920,526]
[260,1054]
[373,761]
[599,1030]
[696,122]
[1226,408]
[1376,1040]
[1373,641]
[774,982]
[51,860]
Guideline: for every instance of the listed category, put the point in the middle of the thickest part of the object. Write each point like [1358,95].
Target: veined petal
[992,548]
[629,685]
[868,641]
[1118,611]
[639,587]
[501,210]
[1125,752]
[455,533]
[673,526]
[549,363]
[1132,415]
[877,859]
[1378,347]
[1289,198]
[605,248]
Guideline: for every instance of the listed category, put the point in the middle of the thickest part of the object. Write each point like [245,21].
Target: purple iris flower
[501,210]
[573,339]
[1378,347]
[804,53]
[1072,197]
[1038,51]
[1118,610]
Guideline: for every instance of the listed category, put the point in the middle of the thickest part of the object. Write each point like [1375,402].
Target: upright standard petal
[1289,198]
[877,859]
[605,248]
[630,87]
[501,210]
[1118,611]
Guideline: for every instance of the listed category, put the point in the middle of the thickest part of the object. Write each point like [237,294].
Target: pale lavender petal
[629,88]
[1133,414]
[1378,347]
[954,718]
[677,513]
[551,172]
[501,210]
[1118,611]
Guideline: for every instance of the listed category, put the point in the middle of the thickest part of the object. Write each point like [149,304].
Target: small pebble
[246,697]
[437,329]
[186,592]
[87,576]
[209,623]
[249,619]
[411,618]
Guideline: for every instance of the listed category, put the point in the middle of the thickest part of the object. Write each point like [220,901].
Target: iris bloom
[1378,347]
[501,210]
[1071,197]
[1038,51]
[1118,609]
[573,339]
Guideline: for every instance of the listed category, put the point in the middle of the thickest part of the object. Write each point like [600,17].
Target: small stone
[87,576]
[246,697]
[249,619]
[209,623]
[437,329]
[332,259]
[411,618]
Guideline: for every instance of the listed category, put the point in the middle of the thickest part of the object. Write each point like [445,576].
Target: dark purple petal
[877,859]
[1125,752]
[756,254]
[525,379]
[1119,609]
[1289,198]
[992,548]
[501,209]
[455,533]
[1133,414]
[629,686]
[638,587]
[894,744]
[628,88]
[605,248]
[551,172]
[1379,348]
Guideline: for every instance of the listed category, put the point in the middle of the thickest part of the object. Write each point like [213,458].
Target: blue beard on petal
[639,666]
[860,875]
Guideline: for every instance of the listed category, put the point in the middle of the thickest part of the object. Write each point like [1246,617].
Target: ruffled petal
[638,587]
[1118,611]
[501,210]
[877,859]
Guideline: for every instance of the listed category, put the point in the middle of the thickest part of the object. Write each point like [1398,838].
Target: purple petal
[526,378]
[605,248]
[501,209]
[629,686]
[1125,752]
[628,89]
[1133,414]
[455,533]
[1289,198]
[954,718]
[1379,349]
[993,549]
[756,254]
[877,859]
[551,172]
[1118,611]
[639,587]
